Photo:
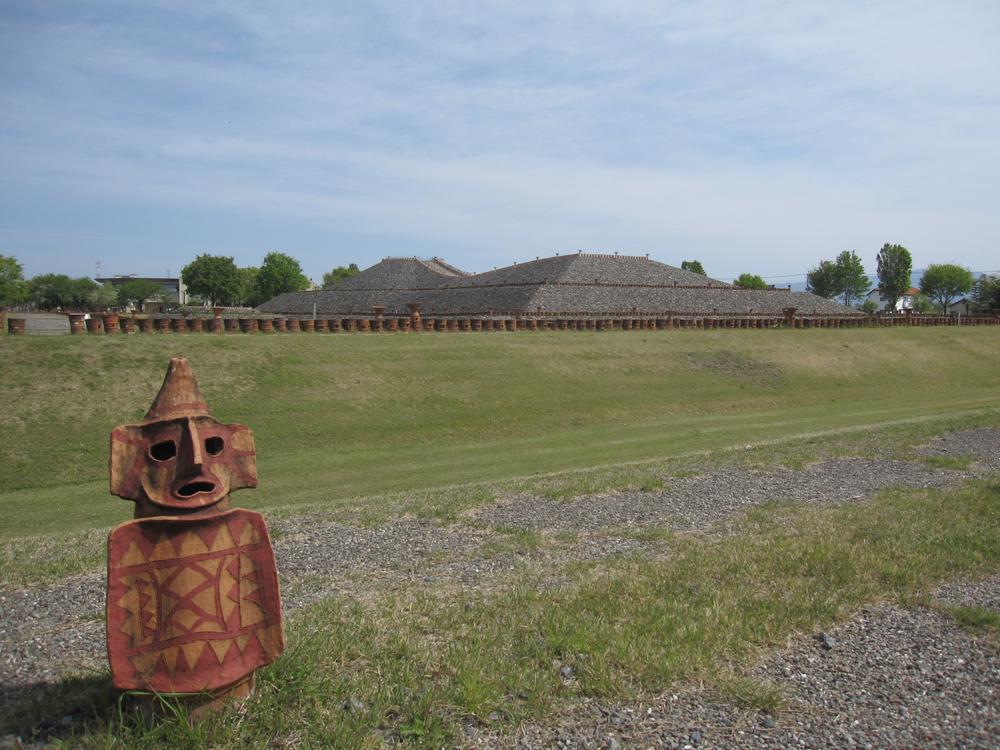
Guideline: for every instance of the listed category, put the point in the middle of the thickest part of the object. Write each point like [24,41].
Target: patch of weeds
[684,474]
[750,693]
[975,618]
[955,463]
[45,559]
[516,538]
[570,485]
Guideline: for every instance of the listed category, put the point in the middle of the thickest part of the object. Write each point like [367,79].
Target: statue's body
[193,600]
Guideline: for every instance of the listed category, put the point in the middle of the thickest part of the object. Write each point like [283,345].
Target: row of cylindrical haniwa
[112,323]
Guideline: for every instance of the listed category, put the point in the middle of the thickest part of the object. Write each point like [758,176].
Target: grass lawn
[339,417]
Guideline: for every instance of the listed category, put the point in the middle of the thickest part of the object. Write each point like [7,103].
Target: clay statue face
[181,459]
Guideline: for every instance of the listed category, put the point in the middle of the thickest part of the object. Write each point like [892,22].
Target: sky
[755,137]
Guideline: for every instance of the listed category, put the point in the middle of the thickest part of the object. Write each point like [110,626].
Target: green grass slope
[339,417]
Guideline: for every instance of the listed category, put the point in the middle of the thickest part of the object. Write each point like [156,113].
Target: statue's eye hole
[214,445]
[163,451]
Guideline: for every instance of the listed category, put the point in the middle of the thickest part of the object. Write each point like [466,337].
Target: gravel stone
[984,593]
[983,443]
[827,641]
[696,503]
[47,632]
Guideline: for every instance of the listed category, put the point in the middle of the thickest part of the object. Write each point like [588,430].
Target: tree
[13,289]
[869,306]
[694,266]
[945,282]
[894,268]
[82,292]
[104,296]
[987,293]
[214,278]
[751,281]
[338,274]
[824,280]
[249,295]
[280,273]
[852,280]
[921,303]
[138,291]
[51,290]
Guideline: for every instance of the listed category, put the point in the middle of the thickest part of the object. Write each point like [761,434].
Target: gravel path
[983,444]
[49,632]
[985,593]
[52,630]
[698,502]
[43,636]
[888,678]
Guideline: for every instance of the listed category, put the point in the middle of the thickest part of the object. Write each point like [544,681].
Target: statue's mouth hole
[194,488]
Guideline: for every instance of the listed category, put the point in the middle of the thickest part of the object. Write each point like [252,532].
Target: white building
[905,302]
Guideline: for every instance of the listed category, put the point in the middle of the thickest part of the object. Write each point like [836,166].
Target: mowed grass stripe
[88,505]
[352,416]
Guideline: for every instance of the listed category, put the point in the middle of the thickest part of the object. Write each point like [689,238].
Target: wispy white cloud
[760,137]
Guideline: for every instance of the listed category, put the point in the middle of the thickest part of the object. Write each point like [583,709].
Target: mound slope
[582,283]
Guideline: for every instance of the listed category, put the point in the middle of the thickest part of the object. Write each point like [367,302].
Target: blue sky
[757,137]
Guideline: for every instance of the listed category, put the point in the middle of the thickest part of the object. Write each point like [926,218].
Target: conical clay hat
[179,394]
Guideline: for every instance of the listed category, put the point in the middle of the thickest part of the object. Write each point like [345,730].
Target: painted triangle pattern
[193,604]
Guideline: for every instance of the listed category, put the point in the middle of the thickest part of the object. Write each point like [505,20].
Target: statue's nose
[193,481]
[191,447]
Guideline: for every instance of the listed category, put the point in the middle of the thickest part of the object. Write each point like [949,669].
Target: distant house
[905,302]
[961,307]
[173,289]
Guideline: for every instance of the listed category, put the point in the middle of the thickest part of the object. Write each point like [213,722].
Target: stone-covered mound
[403,273]
[581,284]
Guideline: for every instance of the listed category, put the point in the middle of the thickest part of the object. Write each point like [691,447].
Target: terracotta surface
[180,459]
[110,322]
[193,601]
[193,604]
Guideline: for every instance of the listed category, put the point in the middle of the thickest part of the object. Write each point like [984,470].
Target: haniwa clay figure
[193,601]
